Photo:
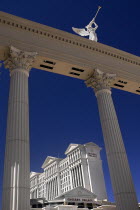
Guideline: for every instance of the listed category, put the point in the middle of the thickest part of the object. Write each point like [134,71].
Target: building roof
[77,192]
[49,160]
[92,144]
[71,147]
[32,174]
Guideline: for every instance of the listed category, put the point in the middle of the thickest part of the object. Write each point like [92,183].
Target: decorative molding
[52,35]
[71,147]
[19,59]
[103,91]
[69,52]
[100,80]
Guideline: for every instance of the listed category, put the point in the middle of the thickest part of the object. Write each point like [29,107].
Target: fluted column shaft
[121,178]
[16,185]
[122,183]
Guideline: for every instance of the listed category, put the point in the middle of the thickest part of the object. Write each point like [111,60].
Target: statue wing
[80,31]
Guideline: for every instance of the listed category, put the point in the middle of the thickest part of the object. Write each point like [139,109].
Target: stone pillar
[121,179]
[16,183]
[84,167]
[95,170]
[85,174]
[58,184]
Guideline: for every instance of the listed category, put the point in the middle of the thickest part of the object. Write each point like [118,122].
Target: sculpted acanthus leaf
[19,59]
[100,80]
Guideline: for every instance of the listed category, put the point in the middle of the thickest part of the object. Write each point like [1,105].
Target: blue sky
[62,109]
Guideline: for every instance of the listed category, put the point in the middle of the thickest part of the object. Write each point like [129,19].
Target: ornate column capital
[100,81]
[19,59]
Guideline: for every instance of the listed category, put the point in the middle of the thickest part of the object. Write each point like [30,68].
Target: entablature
[64,53]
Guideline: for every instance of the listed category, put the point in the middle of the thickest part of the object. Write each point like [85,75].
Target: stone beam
[64,53]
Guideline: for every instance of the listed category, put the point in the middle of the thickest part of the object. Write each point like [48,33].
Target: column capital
[19,59]
[100,81]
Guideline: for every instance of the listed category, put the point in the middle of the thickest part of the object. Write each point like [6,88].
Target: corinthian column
[121,179]
[16,188]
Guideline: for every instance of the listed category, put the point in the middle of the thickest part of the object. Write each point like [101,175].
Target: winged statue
[88,30]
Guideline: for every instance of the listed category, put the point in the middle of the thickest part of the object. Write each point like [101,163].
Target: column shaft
[121,179]
[16,183]
[16,186]
[116,155]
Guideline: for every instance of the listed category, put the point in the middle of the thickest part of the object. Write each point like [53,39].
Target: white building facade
[81,167]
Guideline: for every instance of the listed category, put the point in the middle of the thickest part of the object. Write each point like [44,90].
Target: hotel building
[82,167]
